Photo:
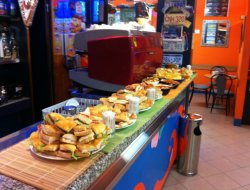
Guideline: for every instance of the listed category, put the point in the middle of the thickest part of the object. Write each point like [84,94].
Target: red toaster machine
[124,60]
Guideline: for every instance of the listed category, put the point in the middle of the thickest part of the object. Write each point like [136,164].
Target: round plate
[51,157]
[145,109]
[126,126]
[159,98]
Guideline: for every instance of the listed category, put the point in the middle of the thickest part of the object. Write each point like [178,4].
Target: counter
[137,158]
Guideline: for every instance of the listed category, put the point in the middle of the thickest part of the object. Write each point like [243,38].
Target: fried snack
[146,104]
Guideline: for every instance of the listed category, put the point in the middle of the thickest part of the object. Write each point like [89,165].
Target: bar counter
[129,161]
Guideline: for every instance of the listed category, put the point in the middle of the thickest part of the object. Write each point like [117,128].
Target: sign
[173,58]
[28,9]
[170,45]
[174,19]
[216,8]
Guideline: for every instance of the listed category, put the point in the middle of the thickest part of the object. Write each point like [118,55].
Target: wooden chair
[220,91]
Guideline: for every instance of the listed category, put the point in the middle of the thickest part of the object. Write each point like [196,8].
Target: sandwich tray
[51,157]
[80,104]
[145,109]
[126,126]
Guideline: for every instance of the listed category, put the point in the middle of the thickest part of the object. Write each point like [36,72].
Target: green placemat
[144,117]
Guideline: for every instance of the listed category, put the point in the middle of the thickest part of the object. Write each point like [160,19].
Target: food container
[133,105]
[109,120]
[151,94]
[59,108]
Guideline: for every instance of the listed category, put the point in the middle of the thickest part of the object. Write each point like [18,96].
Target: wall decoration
[216,7]
[172,58]
[215,33]
[28,9]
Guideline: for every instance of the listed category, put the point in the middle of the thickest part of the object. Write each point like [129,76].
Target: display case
[14,81]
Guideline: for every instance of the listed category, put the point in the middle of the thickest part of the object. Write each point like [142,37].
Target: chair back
[221,81]
[219,69]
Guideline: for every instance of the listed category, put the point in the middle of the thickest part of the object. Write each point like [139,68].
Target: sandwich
[51,130]
[52,118]
[50,149]
[66,124]
[82,119]
[47,139]
[35,141]
[85,150]
[99,129]
[67,151]
[69,138]
[81,130]
[87,138]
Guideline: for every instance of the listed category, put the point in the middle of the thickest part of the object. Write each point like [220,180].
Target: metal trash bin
[187,163]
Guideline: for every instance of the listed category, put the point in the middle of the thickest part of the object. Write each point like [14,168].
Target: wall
[231,57]
[243,66]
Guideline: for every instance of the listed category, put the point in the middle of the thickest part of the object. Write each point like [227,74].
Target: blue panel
[150,169]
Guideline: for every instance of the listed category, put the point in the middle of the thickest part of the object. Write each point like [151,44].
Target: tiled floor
[224,162]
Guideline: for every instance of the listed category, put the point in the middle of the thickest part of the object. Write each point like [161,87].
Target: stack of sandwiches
[70,138]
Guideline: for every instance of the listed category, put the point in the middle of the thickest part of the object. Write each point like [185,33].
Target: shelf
[9,18]
[6,62]
[13,106]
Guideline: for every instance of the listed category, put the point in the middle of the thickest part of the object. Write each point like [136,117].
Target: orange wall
[218,56]
[243,67]
[233,55]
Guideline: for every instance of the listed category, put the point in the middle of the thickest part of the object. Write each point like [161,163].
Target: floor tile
[240,176]
[174,187]
[198,185]
[224,162]
[222,182]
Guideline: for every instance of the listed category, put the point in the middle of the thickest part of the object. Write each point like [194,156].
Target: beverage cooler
[175,22]
[69,17]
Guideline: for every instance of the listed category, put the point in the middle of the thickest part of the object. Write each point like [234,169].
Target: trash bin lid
[196,117]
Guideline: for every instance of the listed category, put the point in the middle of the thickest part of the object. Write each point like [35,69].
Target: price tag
[174,19]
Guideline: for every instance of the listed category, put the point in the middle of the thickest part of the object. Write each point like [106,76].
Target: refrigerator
[52,34]
[69,17]
[175,22]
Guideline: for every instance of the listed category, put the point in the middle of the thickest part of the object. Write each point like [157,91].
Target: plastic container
[80,103]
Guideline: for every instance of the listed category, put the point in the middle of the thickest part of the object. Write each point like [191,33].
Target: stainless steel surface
[81,76]
[188,162]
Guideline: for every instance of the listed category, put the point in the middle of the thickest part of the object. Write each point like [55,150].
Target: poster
[172,58]
[216,7]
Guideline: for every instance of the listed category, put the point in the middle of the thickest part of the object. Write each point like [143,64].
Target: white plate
[72,102]
[145,109]
[159,98]
[117,128]
[51,157]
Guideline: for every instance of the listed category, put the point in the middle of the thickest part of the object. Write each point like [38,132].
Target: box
[82,105]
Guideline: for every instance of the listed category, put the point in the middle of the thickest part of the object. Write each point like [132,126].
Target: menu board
[216,7]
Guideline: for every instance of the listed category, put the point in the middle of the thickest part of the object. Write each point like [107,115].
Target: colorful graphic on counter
[158,158]
[28,9]
[183,135]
